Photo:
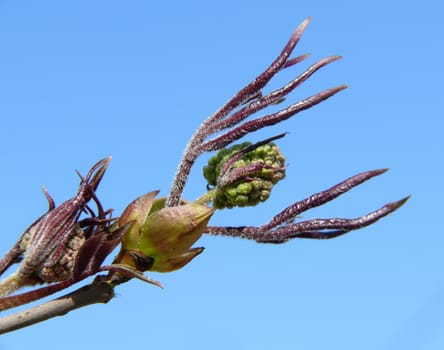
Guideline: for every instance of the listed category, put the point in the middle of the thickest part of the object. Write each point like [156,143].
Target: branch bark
[99,291]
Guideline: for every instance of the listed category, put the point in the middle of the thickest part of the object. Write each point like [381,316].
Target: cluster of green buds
[244,174]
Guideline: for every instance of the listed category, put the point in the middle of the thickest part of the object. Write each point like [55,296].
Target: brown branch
[99,291]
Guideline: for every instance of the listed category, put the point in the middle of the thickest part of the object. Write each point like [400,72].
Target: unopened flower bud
[248,180]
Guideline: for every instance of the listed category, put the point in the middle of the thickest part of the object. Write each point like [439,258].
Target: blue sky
[82,80]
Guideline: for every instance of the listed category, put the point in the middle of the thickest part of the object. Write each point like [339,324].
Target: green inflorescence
[254,187]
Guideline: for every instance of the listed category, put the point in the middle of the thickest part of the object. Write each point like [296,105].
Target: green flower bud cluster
[245,188]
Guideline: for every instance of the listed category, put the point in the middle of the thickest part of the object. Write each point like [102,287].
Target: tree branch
[99,291]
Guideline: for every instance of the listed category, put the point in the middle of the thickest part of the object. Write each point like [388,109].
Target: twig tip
[400,203]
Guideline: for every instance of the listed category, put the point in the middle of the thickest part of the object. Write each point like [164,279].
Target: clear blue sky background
[80,80]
